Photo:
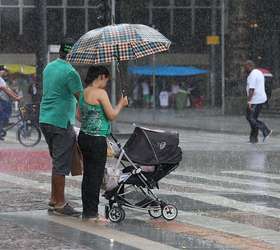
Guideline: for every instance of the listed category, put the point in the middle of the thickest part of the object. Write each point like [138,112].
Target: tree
[42,48]
[237,40]
[103,12]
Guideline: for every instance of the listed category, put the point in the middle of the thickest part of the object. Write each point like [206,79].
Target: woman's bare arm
[111,112]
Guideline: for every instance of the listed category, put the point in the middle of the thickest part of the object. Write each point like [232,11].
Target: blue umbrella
[166,70]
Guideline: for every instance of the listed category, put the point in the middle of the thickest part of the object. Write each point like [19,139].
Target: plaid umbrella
[117,42]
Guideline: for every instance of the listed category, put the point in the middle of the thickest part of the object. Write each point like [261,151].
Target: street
[226,191]
[209,70]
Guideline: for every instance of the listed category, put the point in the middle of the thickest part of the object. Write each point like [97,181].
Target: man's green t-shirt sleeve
[74,82]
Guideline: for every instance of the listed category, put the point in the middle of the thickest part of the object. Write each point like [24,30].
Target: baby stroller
[147,157]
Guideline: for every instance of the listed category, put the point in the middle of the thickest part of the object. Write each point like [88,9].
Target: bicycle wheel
[29,135]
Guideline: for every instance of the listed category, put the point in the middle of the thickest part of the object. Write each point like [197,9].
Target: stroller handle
[114,138]
[116,141]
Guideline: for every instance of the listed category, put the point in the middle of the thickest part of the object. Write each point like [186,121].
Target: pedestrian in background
[174,91]
[256,97]
[164,99]
[61,88]
[136,95]
[146,93]
[33,90]
[95,112]
[6,94]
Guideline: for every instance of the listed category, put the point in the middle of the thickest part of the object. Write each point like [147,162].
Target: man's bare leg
[57,192]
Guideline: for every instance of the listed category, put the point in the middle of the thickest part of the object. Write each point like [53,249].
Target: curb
[168,126]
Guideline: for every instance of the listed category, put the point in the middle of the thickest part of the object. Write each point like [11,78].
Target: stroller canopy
[153,147]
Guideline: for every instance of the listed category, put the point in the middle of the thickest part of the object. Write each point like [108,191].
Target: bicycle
[28,132]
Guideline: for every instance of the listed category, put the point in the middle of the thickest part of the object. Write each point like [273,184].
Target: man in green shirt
[61,87]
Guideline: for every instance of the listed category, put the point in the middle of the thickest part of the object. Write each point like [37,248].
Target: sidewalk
[210,120]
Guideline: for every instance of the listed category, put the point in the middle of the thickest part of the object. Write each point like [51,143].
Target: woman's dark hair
[94,72]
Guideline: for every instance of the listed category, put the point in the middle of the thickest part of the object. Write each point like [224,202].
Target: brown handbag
[77,161]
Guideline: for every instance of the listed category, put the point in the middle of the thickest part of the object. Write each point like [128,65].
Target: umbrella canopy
[117,43]
[265,72]
[166,70]
[21,68]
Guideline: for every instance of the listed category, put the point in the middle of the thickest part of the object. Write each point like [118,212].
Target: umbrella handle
[118,66]
[123,88]
[124,92]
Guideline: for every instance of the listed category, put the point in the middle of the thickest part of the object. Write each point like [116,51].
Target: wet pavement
[21,235]
[227,192]
[205,119]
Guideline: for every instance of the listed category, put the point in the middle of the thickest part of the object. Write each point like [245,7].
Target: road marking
[253,174]
[225,226]
[121,237]
[98,229]
[36,184]
[186,184]
[215,188]
[206,198]
[227,179]
[190,218]
[226,202]
[207,187]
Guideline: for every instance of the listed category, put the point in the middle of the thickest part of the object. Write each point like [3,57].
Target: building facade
[251,29]
[185,22]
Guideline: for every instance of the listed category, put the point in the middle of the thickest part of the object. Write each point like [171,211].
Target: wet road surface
[227,192]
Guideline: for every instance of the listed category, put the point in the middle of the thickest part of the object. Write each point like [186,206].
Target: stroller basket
[152,177]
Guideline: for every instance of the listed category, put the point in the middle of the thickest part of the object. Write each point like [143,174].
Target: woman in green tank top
[96,112]
[93,120]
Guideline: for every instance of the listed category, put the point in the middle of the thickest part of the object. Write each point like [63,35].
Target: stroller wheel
[155,212]
[169,212]
[116,214]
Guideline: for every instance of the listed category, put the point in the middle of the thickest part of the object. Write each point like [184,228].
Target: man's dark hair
[65,47]
[94,72]
[250,63]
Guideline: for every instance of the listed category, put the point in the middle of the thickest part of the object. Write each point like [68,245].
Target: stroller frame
[151,203]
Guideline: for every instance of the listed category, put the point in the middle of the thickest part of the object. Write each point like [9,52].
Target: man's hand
[250,96]
[18,98]
[249,106]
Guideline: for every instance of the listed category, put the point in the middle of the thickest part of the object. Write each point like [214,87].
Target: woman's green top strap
[93,119]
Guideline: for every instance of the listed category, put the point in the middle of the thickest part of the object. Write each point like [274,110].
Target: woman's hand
[124,101]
